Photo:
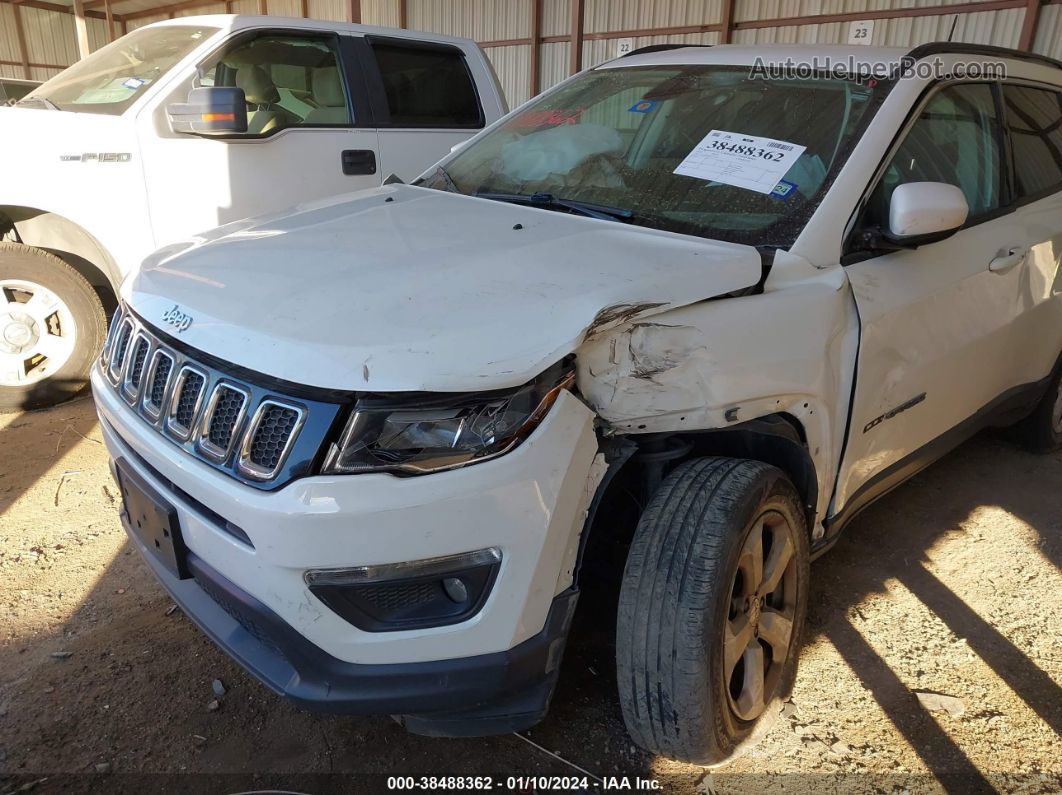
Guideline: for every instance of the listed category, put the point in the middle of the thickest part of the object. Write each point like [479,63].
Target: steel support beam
[1029,26]
[726,22]
[81,30]
[109,13]
[575,60]
[23,51]
[536,45]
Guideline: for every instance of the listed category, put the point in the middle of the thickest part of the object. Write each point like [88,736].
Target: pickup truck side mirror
[210,110]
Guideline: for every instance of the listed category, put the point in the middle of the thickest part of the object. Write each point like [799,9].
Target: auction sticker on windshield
[745,161]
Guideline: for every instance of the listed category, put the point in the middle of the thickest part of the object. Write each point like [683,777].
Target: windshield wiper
[47,103]
[547,201]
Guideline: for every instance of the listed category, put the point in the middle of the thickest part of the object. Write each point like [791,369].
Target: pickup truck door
[425,100]
[938,348]
[310,135]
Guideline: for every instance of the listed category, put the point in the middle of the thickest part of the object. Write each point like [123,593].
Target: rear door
[426,101]
[310,134]
[937,345]
[1033,115]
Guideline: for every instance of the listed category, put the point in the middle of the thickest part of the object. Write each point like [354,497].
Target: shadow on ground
[134,695]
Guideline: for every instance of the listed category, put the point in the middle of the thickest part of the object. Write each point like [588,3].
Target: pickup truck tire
[689,587]
[1042,430]
[52,325]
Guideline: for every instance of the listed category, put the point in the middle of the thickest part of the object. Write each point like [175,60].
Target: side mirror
[925,212]
[210,110]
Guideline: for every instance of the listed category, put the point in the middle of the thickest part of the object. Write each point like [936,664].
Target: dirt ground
[951,585]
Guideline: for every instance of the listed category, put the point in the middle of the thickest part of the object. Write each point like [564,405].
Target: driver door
[307,138]
[937,346]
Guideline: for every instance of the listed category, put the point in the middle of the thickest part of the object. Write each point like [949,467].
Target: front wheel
[52,325]
[711,609]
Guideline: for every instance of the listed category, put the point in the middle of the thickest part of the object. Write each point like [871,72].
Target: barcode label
[742,160]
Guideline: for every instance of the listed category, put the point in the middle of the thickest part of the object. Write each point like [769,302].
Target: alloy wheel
[758,634]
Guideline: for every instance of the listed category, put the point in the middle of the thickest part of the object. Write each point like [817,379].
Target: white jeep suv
[680,303]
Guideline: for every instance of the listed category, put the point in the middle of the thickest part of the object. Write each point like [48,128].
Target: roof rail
[660,48]
[946,47]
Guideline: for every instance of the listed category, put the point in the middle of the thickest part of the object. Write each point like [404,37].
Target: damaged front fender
[714,364]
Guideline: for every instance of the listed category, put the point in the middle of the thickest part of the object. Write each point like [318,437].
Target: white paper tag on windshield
[745,161]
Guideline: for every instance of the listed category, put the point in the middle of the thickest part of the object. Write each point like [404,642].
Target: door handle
[358,161]
[1008,261]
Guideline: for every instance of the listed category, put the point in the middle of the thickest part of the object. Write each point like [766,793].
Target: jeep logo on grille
[176,318]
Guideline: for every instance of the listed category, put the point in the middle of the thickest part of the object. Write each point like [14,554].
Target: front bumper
[485,694]
[529,503]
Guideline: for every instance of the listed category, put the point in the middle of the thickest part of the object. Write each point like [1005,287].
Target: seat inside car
[264,115]
[330,97]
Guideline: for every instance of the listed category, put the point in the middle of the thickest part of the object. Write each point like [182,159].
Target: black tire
[1041,431]
[676,600]
[25,263]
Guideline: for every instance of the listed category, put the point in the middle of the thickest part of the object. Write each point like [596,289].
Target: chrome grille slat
[221,420]
[158,381]
[134,370]
[116,365]
[112,331]
[204,413]
[185,402]
[269,439]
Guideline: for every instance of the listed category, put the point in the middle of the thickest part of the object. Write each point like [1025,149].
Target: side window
[289,81]
[427,86]
[955,140]
[1034,119]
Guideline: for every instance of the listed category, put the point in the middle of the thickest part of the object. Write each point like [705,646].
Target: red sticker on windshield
[545,118]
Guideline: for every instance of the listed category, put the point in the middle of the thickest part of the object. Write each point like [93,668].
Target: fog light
[455,589]
[416,594]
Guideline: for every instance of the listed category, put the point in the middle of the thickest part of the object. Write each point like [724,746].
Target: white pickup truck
[376,446]
[191,123]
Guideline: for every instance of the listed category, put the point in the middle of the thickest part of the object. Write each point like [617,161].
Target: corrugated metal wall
[9,43]
[618,15]
[51,40]
[1049,34]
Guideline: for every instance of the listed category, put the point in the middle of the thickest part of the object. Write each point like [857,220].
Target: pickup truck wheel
[711,609]
[52,324]
[1042,430]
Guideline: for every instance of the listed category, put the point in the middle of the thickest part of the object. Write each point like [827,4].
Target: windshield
[111,79]
[704,150]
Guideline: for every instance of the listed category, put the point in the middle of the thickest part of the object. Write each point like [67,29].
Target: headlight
[439,431]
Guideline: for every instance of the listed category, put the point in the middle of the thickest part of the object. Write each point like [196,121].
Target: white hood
[408,289]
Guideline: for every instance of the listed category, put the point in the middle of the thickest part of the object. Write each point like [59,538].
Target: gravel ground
[950,586]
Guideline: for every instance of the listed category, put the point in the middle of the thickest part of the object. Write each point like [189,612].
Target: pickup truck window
[112,78]
[956,139]
[427,86]
[614,138]
[1034,118]
[288,80]
[11,91]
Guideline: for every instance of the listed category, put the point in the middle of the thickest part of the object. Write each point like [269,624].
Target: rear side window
[1034,118]
[427,86]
